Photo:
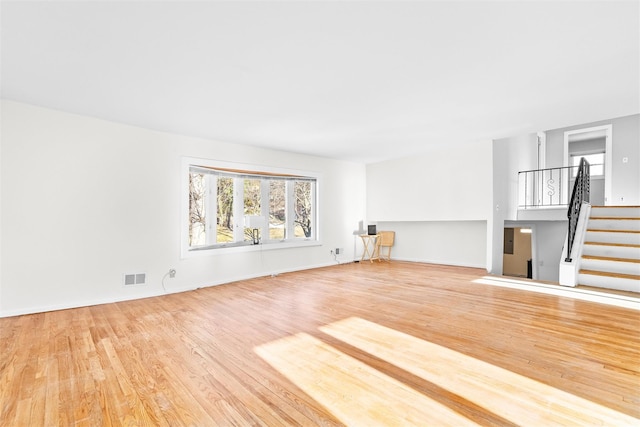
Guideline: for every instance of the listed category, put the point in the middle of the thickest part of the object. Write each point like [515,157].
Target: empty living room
[358,213]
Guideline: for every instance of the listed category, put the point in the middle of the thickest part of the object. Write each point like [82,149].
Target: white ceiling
[361,81]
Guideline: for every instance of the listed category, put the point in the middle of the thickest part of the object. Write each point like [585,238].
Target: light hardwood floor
[357,344]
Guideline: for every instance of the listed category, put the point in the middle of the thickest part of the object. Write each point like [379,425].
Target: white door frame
[542,149]
[607,132]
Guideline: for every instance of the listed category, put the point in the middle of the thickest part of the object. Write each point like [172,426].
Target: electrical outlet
[172,273]
[337,251]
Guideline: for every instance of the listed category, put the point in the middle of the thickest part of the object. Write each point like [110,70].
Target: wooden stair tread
[626,245]
[615,206]
[608,274]
[612,231]
[607,258]
[607,218]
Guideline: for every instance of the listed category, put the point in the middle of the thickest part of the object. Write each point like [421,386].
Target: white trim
[248,247]
[432,261]
[608,156]
[542,150]
[568,273]
[159,292]
[189,161]
[238,210]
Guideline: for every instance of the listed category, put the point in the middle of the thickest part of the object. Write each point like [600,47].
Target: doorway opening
[517,260]
[594,144]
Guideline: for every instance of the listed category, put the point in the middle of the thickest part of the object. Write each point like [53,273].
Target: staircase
[611,251]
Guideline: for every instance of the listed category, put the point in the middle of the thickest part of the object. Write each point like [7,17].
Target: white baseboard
[440,262]
[155,292]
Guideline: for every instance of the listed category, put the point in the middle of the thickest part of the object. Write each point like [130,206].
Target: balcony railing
[545,187]
[540,188]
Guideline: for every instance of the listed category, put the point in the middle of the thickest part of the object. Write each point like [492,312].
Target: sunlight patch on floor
[504,393]
[580,294]
[352,391]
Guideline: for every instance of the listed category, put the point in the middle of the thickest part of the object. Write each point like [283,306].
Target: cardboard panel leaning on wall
[86,200]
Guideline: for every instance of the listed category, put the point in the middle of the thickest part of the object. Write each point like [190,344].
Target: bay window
[226,202]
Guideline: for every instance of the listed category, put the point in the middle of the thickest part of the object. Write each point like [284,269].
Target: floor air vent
[135,279]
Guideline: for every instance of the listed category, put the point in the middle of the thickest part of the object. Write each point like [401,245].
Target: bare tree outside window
[225,210]
[251,202]
[197,209]
[277,210]
[303,208]
[219,200]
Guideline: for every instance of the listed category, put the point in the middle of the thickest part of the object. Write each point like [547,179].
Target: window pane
[303,208]
[225,210]
[277,210]
[197,209]
[596,163]
[251,203]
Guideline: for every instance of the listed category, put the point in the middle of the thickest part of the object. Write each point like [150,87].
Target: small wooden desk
[369,242]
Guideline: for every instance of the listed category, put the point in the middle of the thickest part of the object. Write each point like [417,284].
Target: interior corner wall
[438,203]
[446,184]
[85,201]
[1,127]
[625,176]
[510,156]
[549,237]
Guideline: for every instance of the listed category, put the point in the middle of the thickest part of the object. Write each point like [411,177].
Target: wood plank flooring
[357,344]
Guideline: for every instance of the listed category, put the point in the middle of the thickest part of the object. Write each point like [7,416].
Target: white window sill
[267,246]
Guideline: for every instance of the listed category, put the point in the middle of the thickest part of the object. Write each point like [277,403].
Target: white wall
[438,204]
[549,241]
[86,200]
[83,201]
[510,155]
[625,186]
[447,184]
[461,243]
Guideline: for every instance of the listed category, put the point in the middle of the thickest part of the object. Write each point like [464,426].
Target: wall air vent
[133,279]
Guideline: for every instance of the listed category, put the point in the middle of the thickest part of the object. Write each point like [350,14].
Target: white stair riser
[630,212]
[612,251]
[609,282]
[611,237]
[611,266]
[604,250]
[614,224]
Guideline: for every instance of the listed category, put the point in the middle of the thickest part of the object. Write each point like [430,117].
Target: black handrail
[579,195]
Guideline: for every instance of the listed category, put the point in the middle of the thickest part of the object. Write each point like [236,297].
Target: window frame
[243,246]
[579,155]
